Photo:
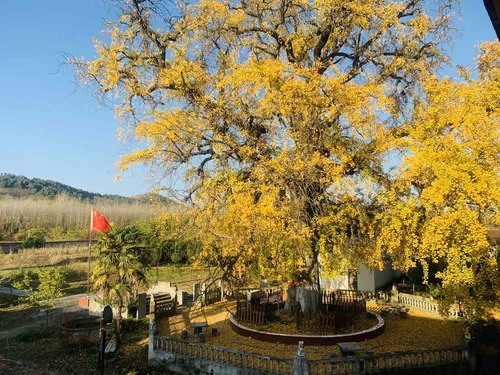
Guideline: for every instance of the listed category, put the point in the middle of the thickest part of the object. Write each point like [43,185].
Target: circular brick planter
[281,338]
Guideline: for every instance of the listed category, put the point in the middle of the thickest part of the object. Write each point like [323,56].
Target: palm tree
[121,268]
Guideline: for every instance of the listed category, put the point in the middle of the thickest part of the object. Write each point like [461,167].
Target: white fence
[425,304]
[188,357]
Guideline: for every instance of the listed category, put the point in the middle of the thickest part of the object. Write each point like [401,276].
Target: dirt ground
[14,319]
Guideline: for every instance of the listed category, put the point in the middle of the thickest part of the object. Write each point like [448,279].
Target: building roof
[493,9]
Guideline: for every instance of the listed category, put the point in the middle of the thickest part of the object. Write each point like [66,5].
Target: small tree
[120,268]
[51,282]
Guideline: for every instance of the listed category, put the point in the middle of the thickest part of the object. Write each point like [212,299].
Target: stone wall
[375,331]
[96,308]
[184,357]
[163,287]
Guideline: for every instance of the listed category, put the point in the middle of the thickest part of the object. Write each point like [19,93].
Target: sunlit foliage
[279,118]
[48,289]
[445,194]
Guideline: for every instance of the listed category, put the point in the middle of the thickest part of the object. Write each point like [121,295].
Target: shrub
[35,239]
[22,274]
[132,325]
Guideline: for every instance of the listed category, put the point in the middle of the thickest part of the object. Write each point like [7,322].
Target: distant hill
[20,186]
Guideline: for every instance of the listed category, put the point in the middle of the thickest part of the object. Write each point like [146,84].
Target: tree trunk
[306,297]
[118,324]
[290,300]
[47,311]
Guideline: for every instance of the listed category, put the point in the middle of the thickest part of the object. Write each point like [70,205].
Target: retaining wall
[185,357]
[370,333]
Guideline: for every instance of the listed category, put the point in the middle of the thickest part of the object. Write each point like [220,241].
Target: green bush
[435,290]
[132,325]
[35,239]
[20,275]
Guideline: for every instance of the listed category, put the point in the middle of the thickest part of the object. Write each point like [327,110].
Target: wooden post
[102,348]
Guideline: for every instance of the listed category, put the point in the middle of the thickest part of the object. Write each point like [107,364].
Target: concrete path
[63,305]
[12,291]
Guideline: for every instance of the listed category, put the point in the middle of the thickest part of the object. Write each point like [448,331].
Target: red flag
[99,222]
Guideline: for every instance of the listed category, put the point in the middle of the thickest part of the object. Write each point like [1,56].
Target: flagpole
[90,251]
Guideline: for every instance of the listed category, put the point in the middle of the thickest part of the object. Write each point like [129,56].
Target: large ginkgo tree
[293,128]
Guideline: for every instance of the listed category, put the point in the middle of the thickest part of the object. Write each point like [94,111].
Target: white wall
[384,276]
[341,282]
[366,278]
[372,280]
[162,287]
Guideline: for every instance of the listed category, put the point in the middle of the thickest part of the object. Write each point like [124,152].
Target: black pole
[102,348]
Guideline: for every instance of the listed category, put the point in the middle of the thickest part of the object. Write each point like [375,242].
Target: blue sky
[53,128]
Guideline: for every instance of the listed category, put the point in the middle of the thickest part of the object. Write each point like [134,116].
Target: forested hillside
[20,186]
[62,212]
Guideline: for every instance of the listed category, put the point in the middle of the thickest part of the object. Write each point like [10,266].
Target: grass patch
[77,287]
[34,333]
[15,315]
[47,256]
[182,276]
[50,353]
[77,271]
[8,300]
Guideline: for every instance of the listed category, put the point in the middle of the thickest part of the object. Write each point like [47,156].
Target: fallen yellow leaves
[416,332]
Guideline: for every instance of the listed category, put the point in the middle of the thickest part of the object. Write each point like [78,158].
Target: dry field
[74,261]
[65,214]
[48,256]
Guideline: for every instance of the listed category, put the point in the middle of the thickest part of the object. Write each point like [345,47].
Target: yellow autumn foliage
[278,121]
